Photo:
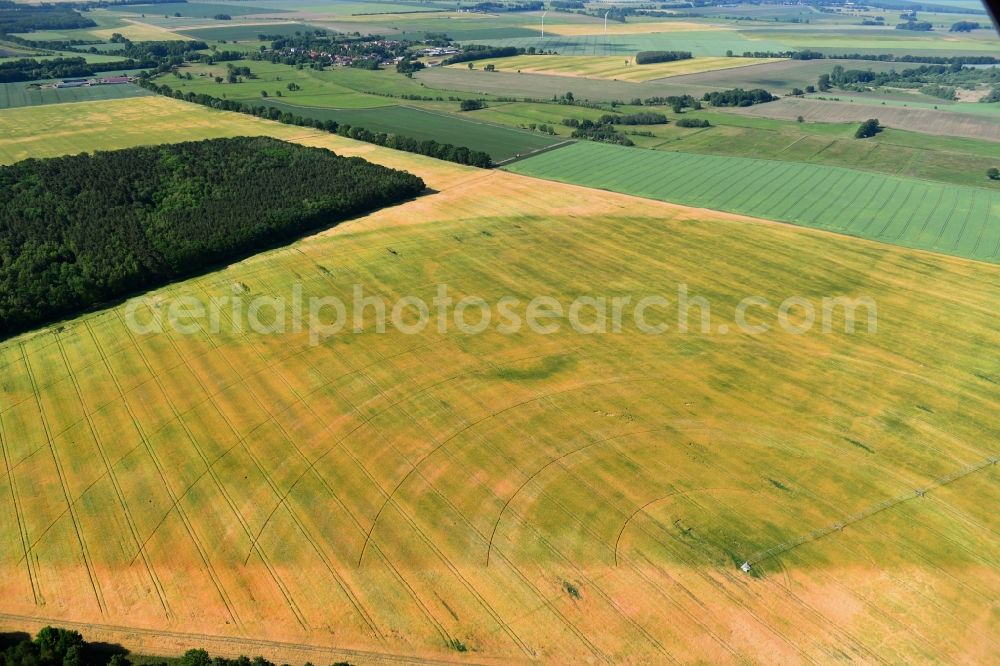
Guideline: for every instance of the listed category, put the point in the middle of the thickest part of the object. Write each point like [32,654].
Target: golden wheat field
[495,497]
[613,67]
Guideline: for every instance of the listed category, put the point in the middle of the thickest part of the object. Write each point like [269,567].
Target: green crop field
[543,86]
[338,88]
[984,126]
[197,9]
[316,88]
[778,77]
[700,43]
[18,94]
[912,100]
[246,32]
[49,55]
[342,8]
[882,41]
[499,142]
[461,33]
[522,114]
[947,159]
[359,97]
[904,211]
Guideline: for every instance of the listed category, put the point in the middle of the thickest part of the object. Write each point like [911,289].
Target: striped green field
[13,95]
[245,32]
[198,9]
[499,142]
[962,221]
[698,42]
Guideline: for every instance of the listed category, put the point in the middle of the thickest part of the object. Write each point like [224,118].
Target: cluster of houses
[350,54]
[80,83]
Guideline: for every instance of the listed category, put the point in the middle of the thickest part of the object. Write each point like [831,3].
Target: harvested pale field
[108,124]
[611,67]
[137,31]
[929,121]
[566,497]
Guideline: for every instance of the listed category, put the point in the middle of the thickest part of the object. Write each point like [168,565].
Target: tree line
[738,97]
[198,657]
[16,17]
[29,69]
[431,148]
[649,57]
[603,131]
[964,26]
[640,118]
[158,56]
[915,77]
[479,52]
[880,57]
[80,230]
[54,646]
[915,26]
[868,129]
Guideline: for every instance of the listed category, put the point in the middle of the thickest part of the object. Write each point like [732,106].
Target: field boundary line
[236,641]
[539,151]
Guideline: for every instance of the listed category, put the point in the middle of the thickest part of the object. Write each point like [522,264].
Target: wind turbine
[543,22]
[606,22]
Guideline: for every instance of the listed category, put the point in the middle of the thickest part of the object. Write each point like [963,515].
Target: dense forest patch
[649,57]
[77,231]
[28,18]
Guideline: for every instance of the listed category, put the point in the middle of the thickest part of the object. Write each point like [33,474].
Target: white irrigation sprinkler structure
[543,22]
[866,513]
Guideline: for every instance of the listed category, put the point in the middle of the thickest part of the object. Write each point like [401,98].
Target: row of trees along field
[738,97]
[649,57]
[935,80]
[23,17]
[80,230]
[156,56]
[429,147]
[53,646]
